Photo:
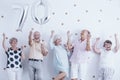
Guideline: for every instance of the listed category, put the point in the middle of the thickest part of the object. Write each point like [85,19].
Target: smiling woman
[14,58]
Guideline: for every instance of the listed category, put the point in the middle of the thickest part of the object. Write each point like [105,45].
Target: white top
[35,50]
[107,58]
[80,55]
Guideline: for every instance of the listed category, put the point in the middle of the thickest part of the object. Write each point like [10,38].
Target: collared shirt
[35,50]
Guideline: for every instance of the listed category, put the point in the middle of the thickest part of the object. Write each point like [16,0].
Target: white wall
[101,17]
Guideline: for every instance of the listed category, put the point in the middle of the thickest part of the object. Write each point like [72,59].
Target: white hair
[56,37]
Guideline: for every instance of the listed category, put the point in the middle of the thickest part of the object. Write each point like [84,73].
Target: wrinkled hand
[68,33]
[31,30]
[4,36]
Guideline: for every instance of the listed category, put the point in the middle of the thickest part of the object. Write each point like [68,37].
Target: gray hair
[12,39]
[56,37]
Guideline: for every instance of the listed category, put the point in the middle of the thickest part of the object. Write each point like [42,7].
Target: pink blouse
[79,53]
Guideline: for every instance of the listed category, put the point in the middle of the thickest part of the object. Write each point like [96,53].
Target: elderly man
[37,52]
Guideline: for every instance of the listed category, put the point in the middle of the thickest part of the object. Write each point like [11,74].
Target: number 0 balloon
[36,18]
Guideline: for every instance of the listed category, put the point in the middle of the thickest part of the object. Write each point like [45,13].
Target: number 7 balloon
[24,12]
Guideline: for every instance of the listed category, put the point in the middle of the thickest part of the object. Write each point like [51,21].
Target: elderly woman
[79,58]
[14,57]
[60,57]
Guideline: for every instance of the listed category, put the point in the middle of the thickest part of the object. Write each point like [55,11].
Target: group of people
[67,58]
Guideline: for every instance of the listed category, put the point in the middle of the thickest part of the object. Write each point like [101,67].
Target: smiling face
[84,34]
[107,45]
[13,42]
[36,35]
[58,41]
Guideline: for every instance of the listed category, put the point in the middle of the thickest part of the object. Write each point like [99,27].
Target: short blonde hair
[85,30]
[12,39]
[36,32]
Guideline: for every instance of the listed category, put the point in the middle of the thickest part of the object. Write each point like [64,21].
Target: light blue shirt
[60,57]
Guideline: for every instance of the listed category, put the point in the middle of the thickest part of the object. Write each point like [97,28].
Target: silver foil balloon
[23,17]
[36,18]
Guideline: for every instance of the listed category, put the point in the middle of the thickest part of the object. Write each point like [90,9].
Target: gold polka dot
[2,16]
[66,13]
[99,20]
[75,5]
[118,18]
[86,11]
[100,10]
[53,13]
[93,76]
[76,34]
[62,24]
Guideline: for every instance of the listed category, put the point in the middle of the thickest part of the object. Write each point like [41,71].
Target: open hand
[4,36]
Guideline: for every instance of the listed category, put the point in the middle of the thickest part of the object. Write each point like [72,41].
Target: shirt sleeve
[51,43]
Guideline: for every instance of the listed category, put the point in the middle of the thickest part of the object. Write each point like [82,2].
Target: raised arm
[88,48]
[52,34]
[3,42]
[117,45]
[69,43]
[51,40]
[23,55]
[95,49]
[30,37]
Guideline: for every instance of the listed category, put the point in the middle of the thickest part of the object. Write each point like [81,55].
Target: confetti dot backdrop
[101,17]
